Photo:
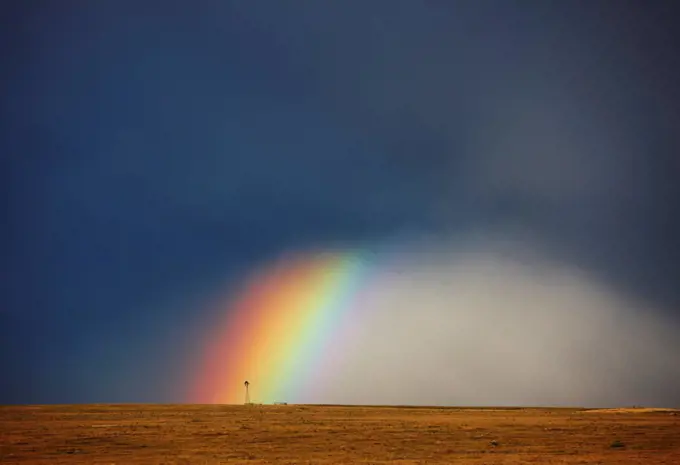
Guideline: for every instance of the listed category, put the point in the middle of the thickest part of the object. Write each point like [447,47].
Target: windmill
[246,384]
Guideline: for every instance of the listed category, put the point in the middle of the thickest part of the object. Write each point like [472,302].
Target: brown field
[207,434]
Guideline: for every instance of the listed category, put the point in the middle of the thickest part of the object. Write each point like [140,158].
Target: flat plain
[287,434]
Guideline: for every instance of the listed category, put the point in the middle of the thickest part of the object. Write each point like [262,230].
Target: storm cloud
[153,154]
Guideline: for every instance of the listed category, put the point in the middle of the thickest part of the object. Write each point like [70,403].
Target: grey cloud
[529,117]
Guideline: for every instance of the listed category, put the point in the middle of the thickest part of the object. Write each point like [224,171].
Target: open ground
[207,434]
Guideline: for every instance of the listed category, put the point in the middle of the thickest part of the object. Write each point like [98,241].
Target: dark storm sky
[151,150]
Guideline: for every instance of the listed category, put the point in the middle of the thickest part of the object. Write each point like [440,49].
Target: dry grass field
[196,434]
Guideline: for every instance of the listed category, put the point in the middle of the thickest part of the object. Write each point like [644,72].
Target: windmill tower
[246,384]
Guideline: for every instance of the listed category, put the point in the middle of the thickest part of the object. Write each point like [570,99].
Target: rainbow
[279,331]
